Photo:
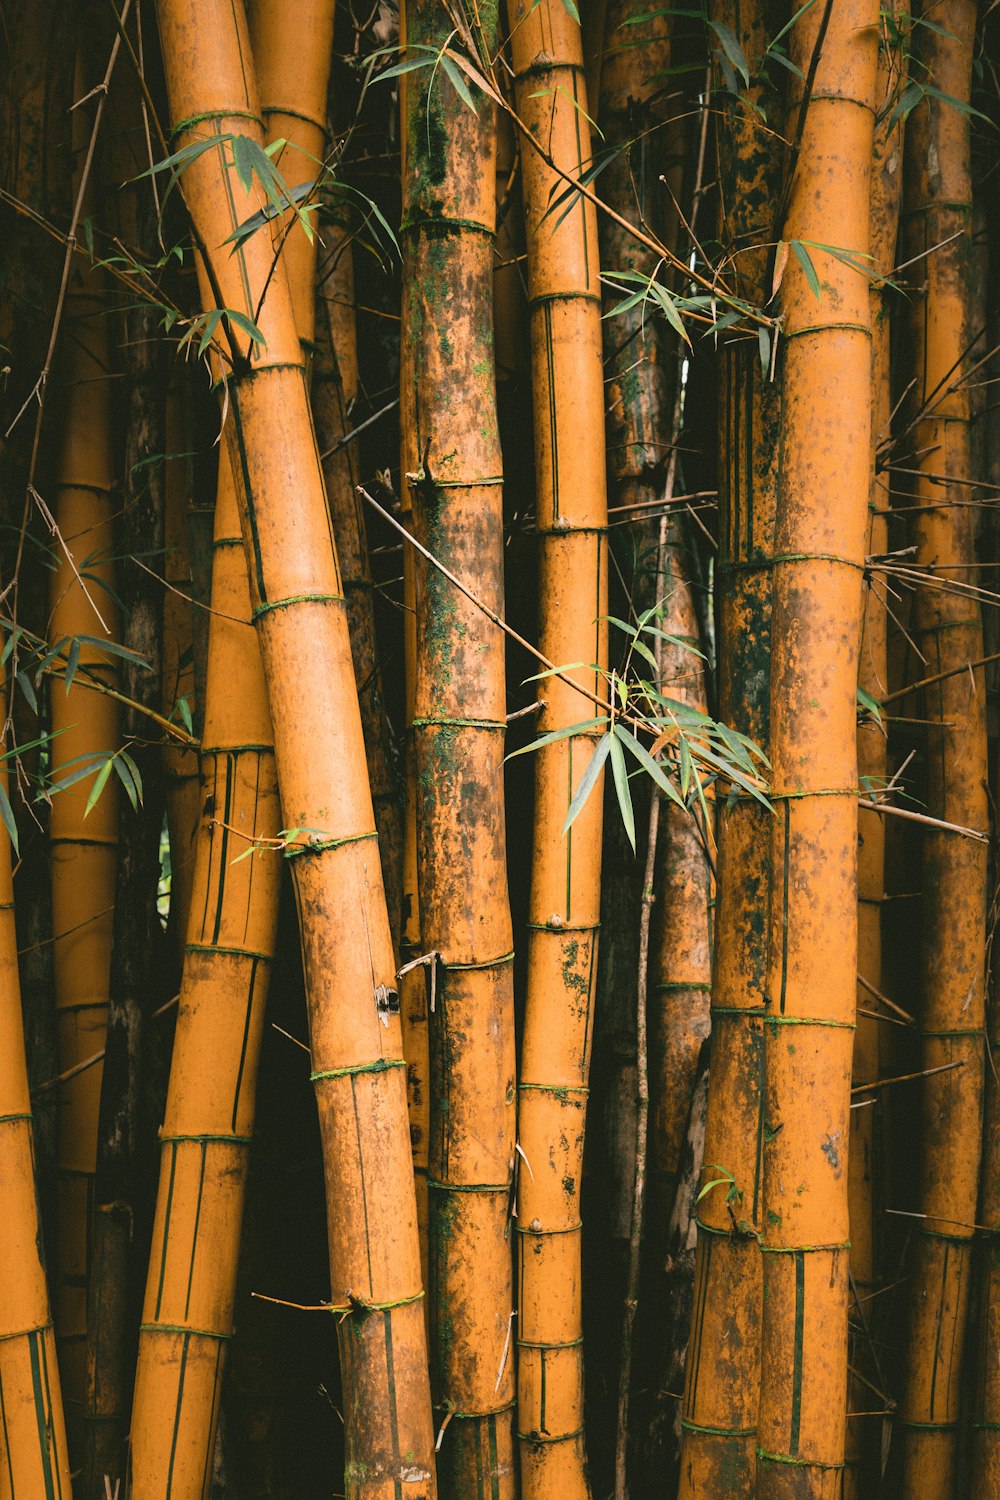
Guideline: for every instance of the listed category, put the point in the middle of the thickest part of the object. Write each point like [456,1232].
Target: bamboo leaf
[458,83]
[128,774]
[72,662]
[647,762]
[7,814]
[557,734]
[732,49]
[588,780]
[622,789]
[100,782]
[243,161]
[804,260]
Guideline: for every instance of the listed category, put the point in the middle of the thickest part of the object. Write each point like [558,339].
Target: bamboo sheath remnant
[33,1450]
[85,721]
[564,911]
[948,631]
[864,1155]
[453,469]
[191,1284]
[297,601]
[722,1377]
[816,614]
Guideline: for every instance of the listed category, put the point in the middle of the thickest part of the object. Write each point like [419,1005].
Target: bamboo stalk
[722,1377]
[948,630]
[865,1172]
[453,470]
[816,615]
[84,721]
[298,607]
[33,1445]
[564,905]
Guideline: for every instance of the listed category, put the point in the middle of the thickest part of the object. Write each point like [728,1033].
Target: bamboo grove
[498,800]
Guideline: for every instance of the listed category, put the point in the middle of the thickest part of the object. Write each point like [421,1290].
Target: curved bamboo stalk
[948,630]
[85,721]
[816,615]
[865,1175]
[33,1435]
[722,1376]
[298,607]
[564,908]
[191,1286]
[453,468]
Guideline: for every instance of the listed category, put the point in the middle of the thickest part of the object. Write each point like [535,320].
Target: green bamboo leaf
[72,662]
[588,780]
[243,160]
[25,684]
[732,49]
[622,790]
[458,83]
[100,783]
[557,734]
[7,814]
[802,256]
[128,775]
[642,755]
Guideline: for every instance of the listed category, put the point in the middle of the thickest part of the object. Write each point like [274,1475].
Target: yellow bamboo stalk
[298,607]
[33,1455]
[722,1376]
[948,630]
[453,469]
[864,1169]
[85,721]
[191,1283]
[564,907]
[816,615]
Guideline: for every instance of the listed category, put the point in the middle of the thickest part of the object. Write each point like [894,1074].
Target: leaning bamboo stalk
[33,1455]
[85,721]
[564,908]
[298,607]
[864,1165]
[948,630]
[453,469]
[816,615]
[722,1376]
[191,1287]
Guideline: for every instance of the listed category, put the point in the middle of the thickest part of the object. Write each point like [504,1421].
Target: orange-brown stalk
[819,552]
[299,610]
[722,1378]
[453,469]
[864,1169]
[948,630]
[33,1454]
[564,910]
